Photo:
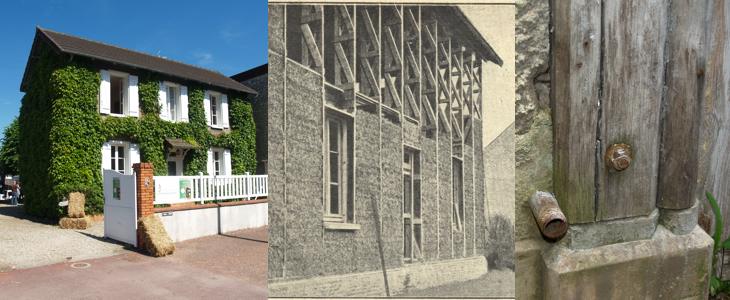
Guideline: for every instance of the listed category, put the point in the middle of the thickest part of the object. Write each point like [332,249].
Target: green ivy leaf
[714,285]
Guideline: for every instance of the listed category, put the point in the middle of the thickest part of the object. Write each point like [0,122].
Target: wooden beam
[576,83]
[370,28]
[393,91]
[312,45]
[678,162]
[344,63]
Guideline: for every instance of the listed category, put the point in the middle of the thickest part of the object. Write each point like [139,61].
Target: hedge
[62,133]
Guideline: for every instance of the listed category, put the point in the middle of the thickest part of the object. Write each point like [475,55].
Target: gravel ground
[27,243]
[494,284]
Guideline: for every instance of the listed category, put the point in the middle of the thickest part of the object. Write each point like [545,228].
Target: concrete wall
[189,224]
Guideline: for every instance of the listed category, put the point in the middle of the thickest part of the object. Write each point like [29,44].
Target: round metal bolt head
[618,157]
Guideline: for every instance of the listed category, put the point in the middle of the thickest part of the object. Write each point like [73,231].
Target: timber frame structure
[410,79]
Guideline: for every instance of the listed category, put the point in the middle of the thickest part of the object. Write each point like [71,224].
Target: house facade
[375,148]
[90,106]
[257,78]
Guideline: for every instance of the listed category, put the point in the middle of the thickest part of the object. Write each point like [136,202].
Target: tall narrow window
[411,205]
[458,195]
[117,159]
[117,86]
[339,205]
[172,102]
[217,162]
[214,110]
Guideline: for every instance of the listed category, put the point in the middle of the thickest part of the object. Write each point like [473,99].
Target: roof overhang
[179,144]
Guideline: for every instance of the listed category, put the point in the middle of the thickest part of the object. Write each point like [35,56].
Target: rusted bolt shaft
[550,219]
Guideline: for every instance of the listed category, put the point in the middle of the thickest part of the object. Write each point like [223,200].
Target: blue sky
[225,36]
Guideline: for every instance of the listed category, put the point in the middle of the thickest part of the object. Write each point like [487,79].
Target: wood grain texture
[575,87]
[678,161]
[715,131]
[633,72]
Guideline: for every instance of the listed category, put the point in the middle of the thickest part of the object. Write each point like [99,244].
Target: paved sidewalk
[231,266]
[26,242]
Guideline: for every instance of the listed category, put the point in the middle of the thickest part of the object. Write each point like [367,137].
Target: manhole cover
[80,265]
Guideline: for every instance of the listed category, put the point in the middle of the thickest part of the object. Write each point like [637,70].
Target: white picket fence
[180,189]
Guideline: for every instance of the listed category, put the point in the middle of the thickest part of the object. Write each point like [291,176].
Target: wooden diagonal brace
[312,45]
[393,47]
[390,84]
[370,28]
[344,63]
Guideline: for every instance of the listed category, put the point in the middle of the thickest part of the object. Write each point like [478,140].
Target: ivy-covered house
[90,106]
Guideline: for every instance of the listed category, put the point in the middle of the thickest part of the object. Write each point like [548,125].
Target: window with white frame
[219,161]
[118,94]
[217,164]
[119,156]
[173,101]
[216,109]
[411,205]
[458,195]
[214,113]
[339,206]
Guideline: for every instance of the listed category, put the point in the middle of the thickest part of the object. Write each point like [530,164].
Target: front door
[174,163]
[120,207]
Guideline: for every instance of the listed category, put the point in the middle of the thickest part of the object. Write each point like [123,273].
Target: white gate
[120,207]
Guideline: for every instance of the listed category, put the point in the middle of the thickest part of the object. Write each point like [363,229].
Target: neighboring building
[258,79]
[375,148]
[91,106]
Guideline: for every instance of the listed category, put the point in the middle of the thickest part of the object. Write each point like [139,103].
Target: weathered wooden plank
[633,72]
[715,131]
[575,85]
[678,161]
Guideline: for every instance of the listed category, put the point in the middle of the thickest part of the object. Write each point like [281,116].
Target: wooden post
[678,165]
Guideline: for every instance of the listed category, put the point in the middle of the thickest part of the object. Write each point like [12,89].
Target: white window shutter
[183,103]
[227,162]
[224,111]
[133,96]
[206,107]
[133,156]
[211,168]
[106,156]
[163,102]
[105,90]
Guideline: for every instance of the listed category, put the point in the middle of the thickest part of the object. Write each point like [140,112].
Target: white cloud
[204,58]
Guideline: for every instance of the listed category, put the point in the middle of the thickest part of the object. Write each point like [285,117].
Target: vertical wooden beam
[715,131]
[633,72]
[678,164]
[575,85]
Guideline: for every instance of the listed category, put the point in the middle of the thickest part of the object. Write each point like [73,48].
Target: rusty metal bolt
[618,157]
[549,217]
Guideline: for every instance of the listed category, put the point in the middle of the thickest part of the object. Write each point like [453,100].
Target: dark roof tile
[84,47]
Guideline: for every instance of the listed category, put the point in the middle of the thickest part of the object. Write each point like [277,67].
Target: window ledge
[119,115]
[341,226]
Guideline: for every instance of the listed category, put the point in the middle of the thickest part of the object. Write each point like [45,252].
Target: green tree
[9,149]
